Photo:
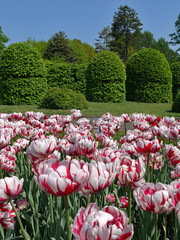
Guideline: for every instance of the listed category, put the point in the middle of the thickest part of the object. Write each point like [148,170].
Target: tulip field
[63,177]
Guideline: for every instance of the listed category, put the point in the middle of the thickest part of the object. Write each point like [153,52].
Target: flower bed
[64,178]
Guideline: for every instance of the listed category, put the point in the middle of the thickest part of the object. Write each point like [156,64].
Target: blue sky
[81,19]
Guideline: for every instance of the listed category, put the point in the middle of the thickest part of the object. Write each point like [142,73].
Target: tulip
[42,147]
[7,216]
[154,197]
[146,146]
[106,155]
[62,178]
[10,188]
[101,175]
[172,133]
[130,148]
[76,113]
[141,125]
[7,161]
[22,204]
[106,224]
[107,141]
[106,117]
[86,146]
[130,171]
[173,154]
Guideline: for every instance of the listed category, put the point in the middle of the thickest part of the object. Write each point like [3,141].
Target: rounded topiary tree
[22,75]
[149,77]
[106,77]
[175,69]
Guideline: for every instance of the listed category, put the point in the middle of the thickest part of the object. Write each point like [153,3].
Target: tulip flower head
[146,146]
[101,175]
[62,178]
[7,216]
[154,197]
[10,188]
[110,223]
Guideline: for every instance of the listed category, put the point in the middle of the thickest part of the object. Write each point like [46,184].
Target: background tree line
[123,37]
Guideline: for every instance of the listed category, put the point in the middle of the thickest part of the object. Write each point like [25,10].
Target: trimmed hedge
[149,77]
[71,76]
[176,103]
[106,77]
[175,69]
[63,98]
[22,75]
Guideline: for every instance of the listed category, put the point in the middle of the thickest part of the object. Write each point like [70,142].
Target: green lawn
[98,109]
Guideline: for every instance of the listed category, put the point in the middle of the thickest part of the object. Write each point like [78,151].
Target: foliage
[126,28]
[83,51]
[71,76]
[3,39]
[175,69]
[63,98]
[149,77]
[145,40]
[40,46]
[175,37]
[58,47]
[22,74]
[103,42]
[163,46]
[106,78]
[176,103]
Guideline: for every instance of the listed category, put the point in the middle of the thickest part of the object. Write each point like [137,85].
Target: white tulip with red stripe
[62,178]
[110,223]
[10,188]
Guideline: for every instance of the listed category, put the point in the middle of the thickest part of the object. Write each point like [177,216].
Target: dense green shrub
[22,75]
[72,76]
[175,69]
[149,77]
[63,98]
[176,103]
[106,78]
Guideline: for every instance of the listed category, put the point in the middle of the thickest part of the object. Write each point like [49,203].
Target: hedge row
[71,76]
[24,77]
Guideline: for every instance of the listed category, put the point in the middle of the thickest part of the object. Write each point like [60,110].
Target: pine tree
[58,47]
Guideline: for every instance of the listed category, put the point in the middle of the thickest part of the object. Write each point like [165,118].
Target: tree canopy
[3,39]
[58,47]
[126,28]
[175,37]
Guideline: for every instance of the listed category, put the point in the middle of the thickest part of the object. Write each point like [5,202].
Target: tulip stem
[156,227]
[164,227]
[147,167]
[162,169]
[24,233]
[1,173]
[125,128]
[51,208]
[129,203]
[67,217]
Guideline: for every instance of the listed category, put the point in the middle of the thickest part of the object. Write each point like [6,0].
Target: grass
[98,109]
